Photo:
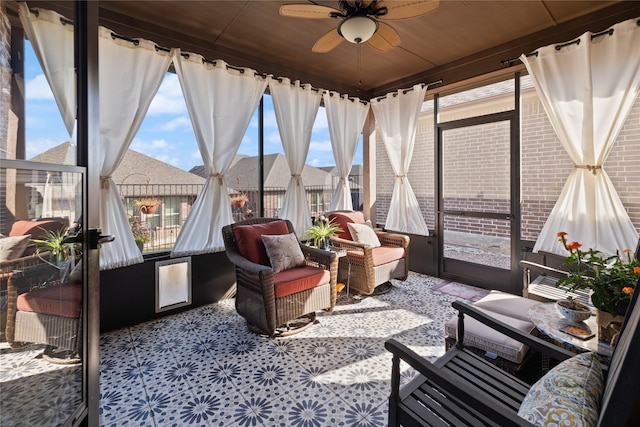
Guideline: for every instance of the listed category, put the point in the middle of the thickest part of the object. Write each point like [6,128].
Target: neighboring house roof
[200,170]
[355,170]
[244,173]
[137,168]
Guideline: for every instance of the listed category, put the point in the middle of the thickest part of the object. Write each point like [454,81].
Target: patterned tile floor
[204,367]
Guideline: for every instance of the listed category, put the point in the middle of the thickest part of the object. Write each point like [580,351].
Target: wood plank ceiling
[459,40]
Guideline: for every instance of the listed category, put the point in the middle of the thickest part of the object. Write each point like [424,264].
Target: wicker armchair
[43,309]
[366,267]
[268,300]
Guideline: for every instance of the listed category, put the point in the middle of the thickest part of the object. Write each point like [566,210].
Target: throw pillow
[569,394]
[284,251]
[13,247]
[363,233]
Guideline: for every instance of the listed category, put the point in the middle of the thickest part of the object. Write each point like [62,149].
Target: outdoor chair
[461,388]
[278,284]
[45,308]
[373,258]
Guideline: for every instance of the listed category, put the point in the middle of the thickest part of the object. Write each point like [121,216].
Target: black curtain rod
[315,89]
[350,98]
[231,67]
[608,32]
[405,91]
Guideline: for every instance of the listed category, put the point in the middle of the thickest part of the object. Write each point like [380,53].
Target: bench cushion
[569,394]
[483,337]
[507,304]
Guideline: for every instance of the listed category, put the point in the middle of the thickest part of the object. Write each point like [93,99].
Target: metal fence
[163,224]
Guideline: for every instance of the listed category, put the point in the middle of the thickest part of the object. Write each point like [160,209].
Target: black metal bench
[462,389]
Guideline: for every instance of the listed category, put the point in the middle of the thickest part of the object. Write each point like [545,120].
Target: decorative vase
[608,326]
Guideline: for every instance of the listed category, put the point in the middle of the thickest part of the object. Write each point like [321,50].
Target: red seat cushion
[299,279]
[249,240]
[384,254]
[63,300]
[343,218]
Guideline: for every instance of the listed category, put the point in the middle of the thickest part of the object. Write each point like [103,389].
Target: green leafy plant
[321,229]
[52,242]
[141,234]
[611,279]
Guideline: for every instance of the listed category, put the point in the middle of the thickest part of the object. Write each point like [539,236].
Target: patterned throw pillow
[568,395]
[363,233]
[284,251]
[13,247]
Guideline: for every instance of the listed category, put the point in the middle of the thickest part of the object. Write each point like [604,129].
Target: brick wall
[477,167]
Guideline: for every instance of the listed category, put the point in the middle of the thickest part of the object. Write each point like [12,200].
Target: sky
[166,133]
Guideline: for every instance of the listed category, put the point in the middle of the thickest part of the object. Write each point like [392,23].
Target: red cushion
[63,300]
[36,229]
[249,240]
[343,218]
[384,254]
[299,279]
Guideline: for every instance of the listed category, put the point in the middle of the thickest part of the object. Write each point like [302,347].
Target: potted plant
[239,200]
[141,234]
[612,281]
[147,205]
[321,230]
[52,242]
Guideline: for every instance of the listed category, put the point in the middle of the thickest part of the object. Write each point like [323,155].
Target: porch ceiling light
[358,29]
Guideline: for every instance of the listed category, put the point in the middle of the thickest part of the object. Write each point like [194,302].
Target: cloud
[40,145]
[314,162]
[38,88]
[169,99]
[179,122]
[270,121]
[273,138]
[320,146]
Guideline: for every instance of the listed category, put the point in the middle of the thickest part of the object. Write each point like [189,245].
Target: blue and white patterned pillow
[284,251]
[568,395]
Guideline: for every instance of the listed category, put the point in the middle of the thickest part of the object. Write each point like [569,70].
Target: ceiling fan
[360,20]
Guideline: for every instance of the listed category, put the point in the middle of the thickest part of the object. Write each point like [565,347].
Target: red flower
[574,246]
[636,270]
[627,289]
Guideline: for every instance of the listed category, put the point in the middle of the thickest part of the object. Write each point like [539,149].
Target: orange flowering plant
[611,279]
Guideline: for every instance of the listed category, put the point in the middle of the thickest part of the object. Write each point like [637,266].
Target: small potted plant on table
[321,230]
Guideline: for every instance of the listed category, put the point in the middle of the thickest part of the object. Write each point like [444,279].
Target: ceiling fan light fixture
[358,29]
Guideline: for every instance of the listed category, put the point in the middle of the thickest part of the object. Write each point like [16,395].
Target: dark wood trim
[489,61]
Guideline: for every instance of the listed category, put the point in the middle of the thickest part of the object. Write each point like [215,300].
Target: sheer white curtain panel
[345,117]
[587,89]
[397,115]
[295,107]
[52,42]
[130,75]
[221,101]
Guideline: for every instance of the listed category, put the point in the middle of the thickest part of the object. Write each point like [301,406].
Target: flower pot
[238,203]
[148,209]
[608,326]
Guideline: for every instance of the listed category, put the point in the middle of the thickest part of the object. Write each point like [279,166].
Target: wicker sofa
[365,267]
[270,300]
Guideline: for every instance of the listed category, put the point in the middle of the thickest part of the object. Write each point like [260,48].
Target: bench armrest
[448,385]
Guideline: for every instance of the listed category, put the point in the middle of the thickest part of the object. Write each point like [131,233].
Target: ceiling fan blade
[386,38]
[327,42]
[407,9]
[313,11]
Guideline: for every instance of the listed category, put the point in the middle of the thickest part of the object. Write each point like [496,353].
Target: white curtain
[130,76]
[587,90]
[52,42]
[397,114]
[295,107]
[345,117]
[221,101]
